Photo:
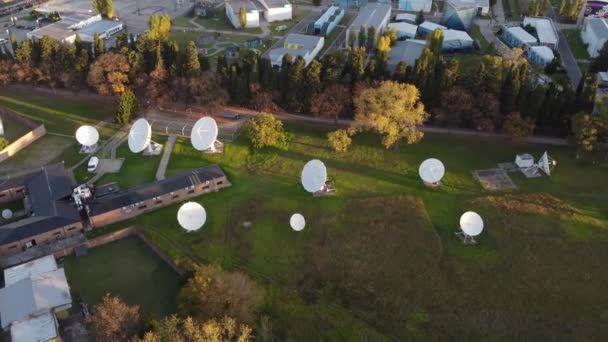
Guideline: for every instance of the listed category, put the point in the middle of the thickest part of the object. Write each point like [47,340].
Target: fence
[23,142]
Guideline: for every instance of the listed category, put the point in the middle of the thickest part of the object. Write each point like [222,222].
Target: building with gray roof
[406,51]
[375,15]
[297,45]
[594,34]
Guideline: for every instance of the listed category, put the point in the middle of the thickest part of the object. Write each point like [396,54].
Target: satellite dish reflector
[204,133]
[140,135]
[297,222]
[87,135]
[314,176]
[431,170]
[191,216]
[7,214]
[545,163]
[471,223]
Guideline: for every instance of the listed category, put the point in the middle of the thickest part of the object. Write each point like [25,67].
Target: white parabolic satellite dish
[87,135]
[7,214]
[191,216]
[140,135]
[545,164]
[431,170]
[471,223]
[314,175]
[297,222]
[204,133]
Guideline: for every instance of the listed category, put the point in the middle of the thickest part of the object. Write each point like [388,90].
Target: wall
[46,237]
[23,142]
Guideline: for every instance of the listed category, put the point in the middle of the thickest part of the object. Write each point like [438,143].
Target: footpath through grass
[578,47]
[380,260]
[129,269]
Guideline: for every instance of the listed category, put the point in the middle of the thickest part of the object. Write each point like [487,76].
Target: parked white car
[93,163]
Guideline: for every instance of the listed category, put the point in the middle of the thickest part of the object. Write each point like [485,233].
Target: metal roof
[408,51]
[100,27]
[404,27]
[544,52]
[522,35]
[371,14]
[431,26]
[39,328]
[598,26]
[34,296]
[150,190]
[544,29]
[456,35]
[237,4]
[29,269]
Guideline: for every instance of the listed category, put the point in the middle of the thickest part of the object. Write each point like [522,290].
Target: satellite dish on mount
[314,176]
[191,216]
[140,136]
[297,222]
[546,164]
[471,223]
[204,134]
[7,214]
[87,135]
[431,171]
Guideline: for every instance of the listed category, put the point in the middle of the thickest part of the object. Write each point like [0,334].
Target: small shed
[524,160]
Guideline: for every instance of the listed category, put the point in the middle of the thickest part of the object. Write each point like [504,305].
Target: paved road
[164,161]
[567,57]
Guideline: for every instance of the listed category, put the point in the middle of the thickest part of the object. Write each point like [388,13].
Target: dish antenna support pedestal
[87,136]
[431,171]
[471,225]
[204,136]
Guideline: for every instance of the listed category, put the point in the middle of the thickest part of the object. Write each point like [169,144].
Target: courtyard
[129,269]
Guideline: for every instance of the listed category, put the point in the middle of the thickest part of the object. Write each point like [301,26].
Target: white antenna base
[466,239]
[216,147]
[88,149]
[435,185]
[327,190]
[153,149]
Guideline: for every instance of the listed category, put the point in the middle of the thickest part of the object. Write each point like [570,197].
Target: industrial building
[297,45]
[415,5]
[83,24]
[459,14]
[542,55]
[233,8]
[594,34]
[328,21]
[371,15]
[409,18]
[35,294]
[428,27]
[408,52]
[456,40]
[52,214]
[404,30]
[276,10]
[518,37]
[545,30]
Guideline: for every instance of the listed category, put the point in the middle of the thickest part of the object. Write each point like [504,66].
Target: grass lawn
[129,269]
[486,47]
[296,16]
[579,49]
[58,115]
[468,63]
[584,67]
[380,260]
[13,129]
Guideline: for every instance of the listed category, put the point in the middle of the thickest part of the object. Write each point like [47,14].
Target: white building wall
[278,14]
[312,54]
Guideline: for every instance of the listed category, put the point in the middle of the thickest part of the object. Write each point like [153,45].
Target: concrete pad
[109,165]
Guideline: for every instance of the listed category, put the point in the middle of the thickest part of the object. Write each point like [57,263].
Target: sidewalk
[164,161]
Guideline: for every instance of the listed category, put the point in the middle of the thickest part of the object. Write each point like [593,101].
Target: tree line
[153,67]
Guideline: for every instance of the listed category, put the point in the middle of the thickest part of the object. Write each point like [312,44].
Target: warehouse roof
[522,35]
[372,14]
[598,26]
[29,269]
[408,51]
[545,30]
[404,27]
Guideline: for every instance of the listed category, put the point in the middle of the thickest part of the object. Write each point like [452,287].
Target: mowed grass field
[380,261]
[61,116]
[129,269]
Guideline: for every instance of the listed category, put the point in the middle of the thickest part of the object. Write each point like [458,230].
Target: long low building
[518,37]
[454,40]
[297,45]
[595,35]
[328,21]
[129,203]
[85,25]
[375,15]
[53,214]
[404,30]
[545,30]
[408,52]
